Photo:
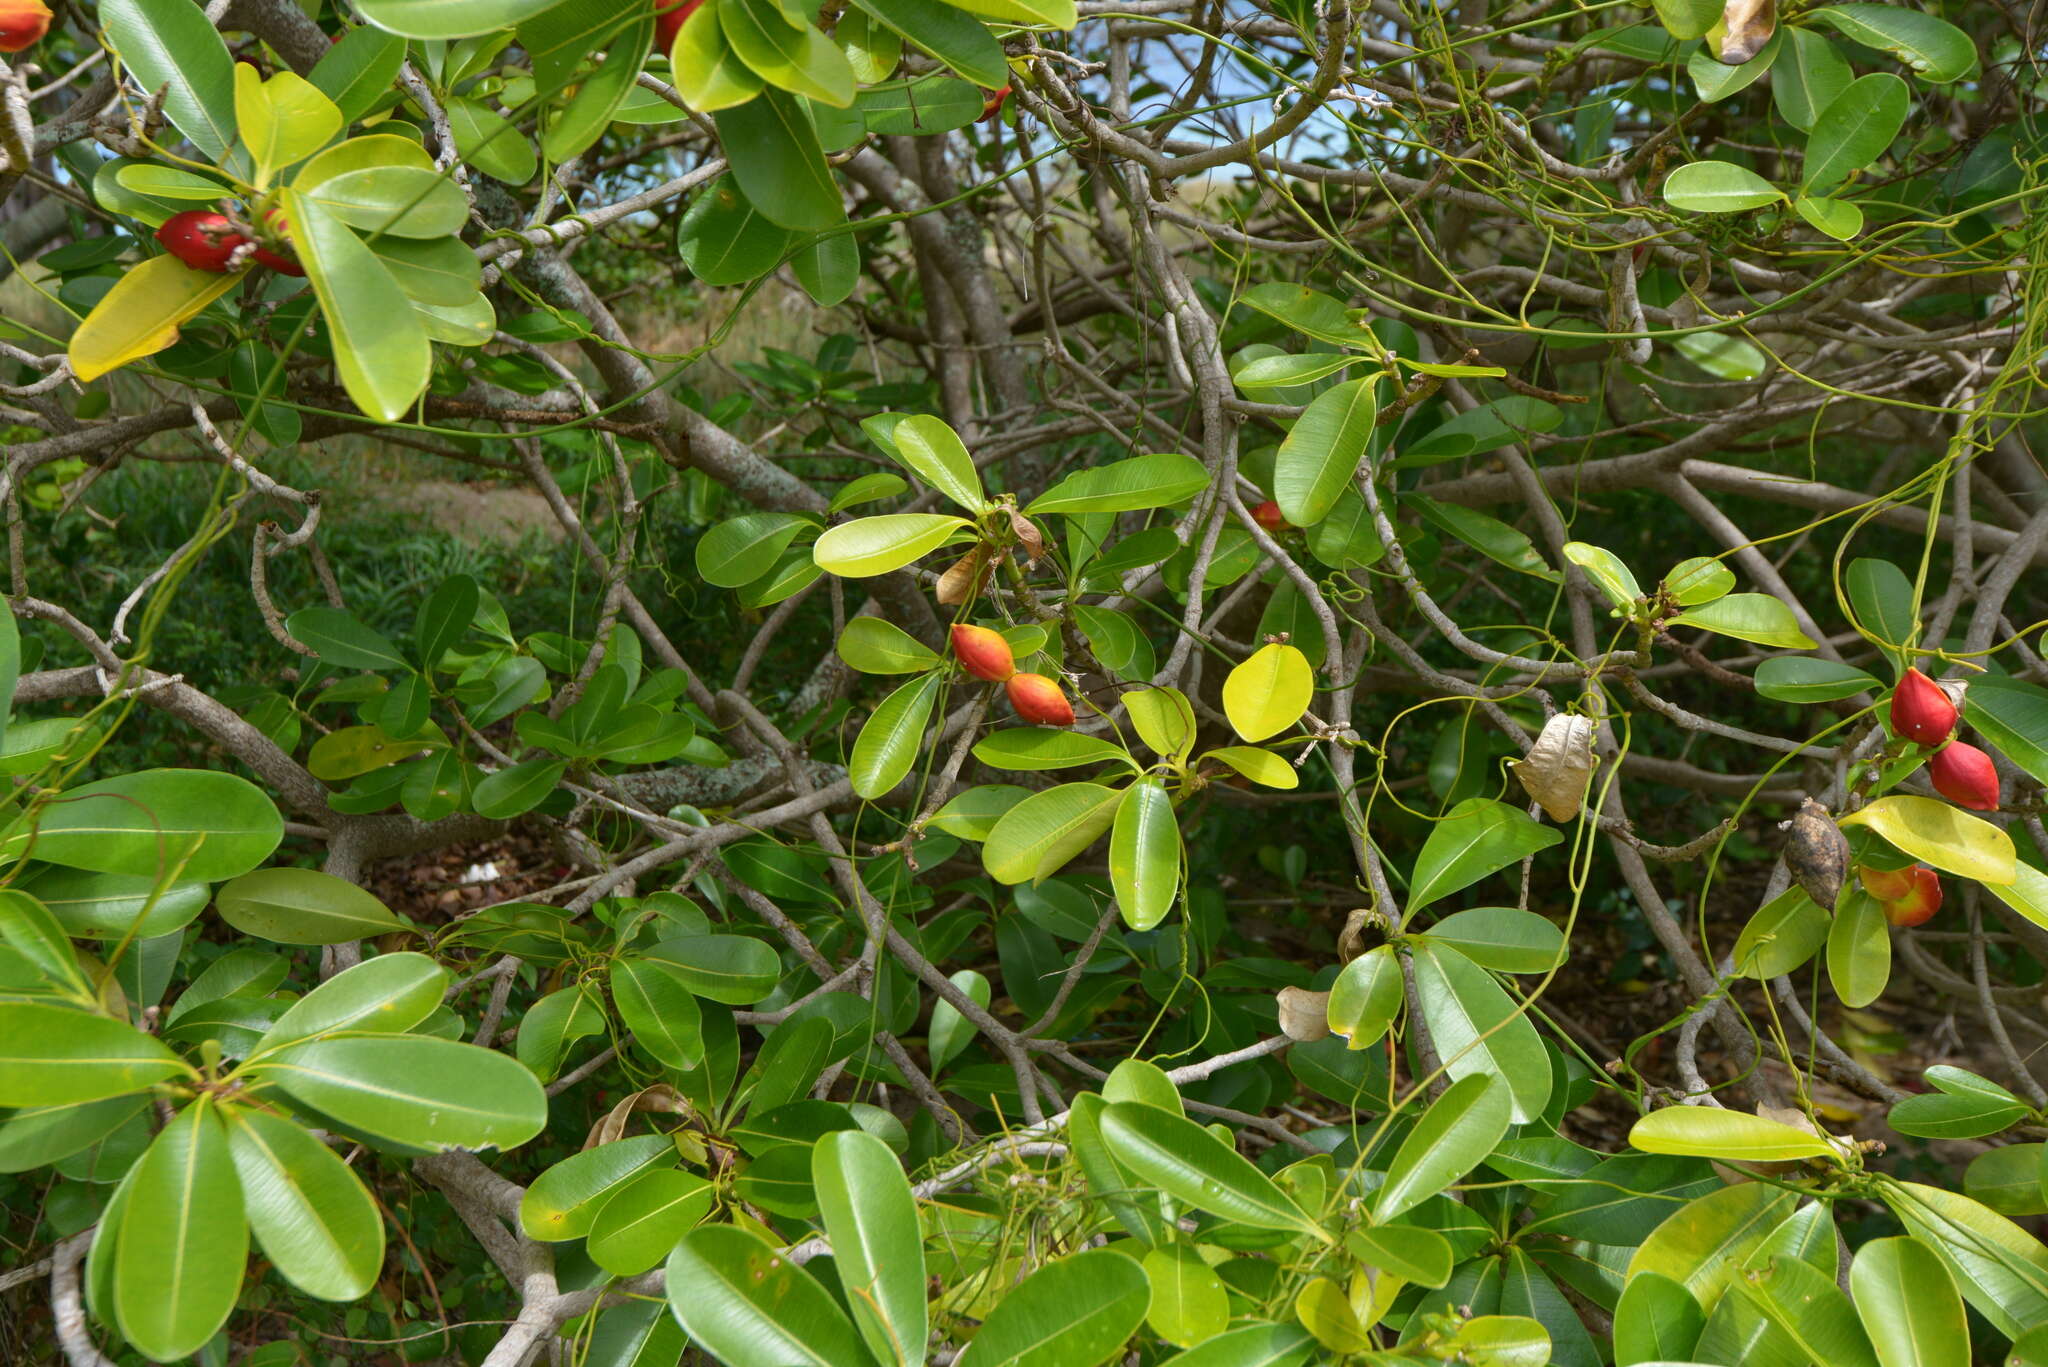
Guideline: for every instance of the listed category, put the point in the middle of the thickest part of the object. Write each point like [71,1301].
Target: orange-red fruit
[1269,516]
[983,653]
[200,238]
[1886,885]
[1038,699]
[22,23]
[668,21]
[1921,712]
[275,222]
[992,102]
[1920,902]
[1965,776]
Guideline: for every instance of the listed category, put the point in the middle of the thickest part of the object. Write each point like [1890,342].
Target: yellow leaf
[1260,766]
[1268,693]
[141,314]
[2027,894]
[1947,837]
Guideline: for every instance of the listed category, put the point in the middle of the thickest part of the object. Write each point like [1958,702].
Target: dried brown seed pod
[1817,853]
[1559,766]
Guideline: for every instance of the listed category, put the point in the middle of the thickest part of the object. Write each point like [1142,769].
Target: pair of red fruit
[986,655]
[210,241]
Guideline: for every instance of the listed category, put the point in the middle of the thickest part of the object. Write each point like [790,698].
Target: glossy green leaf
[2013,716]
[1807,77]
[656,1005]
[639,1223]
[934,453]
[144,823]
[893,737]
[746,1303]
[564,1202]
[2001,1270]
[737,970]
[380,347]
[1478,1030]
[1123,486]
[1909,1305]
[448,18]
[414,1090]
[1412,1253]
[947,34]
[1718,187]
[1194,1167]
[877,1247]
[950,1031]
[1453,1136]
[358,70]
[1145,855]
[183,1239]
[1366,997]
[1783,934]
[1189,1301]
[1811,1310]
[1935,833]
[1859,951]
[1504,939]
[389,994]
[869,546]
[1702,1244]
[874,646]
[1656,1321]
[1480,836]
[1935,49]
[741,549]
[1037,836]
[1854,130]
[311,1216]
[2008,1179]
[1965,1106]
[1268,692]
[1756,617]
[1486,534]
[302,907]
[636,1333]
[1607,572]
[1034,748]
[1322,451]
[1076,1312]
[553,1024]
[783,173]
[1736,1136]
[51,1056]
[1806,679]
[174,48]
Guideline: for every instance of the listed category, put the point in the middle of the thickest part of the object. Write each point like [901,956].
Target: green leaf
[1366,997]
[1965,1107]
[1478,1029]
[51,1056]
[36,934]
[946,34]
[1935,833]
[1735,1136]
[1488,535]
[1287,370]
[1504,939]
[1413,1254]
[357,71]
[709,74]
[1684,19]
[783,173]
[564,1202]
[37,1136]
[1607,572]
[741,549]
[1718,187]
[1703,1244]
[1854,130]
[656,1005]
[517,790]
[893,737]
[1189,1302]
[380,347]
[1033,748]
[724,240]
[174,48]
[282,119]
[636,1333]
[2013,716]
[874,646]
[1783,934]
[570,131]
[390,201]
[2000,1269]
[554,1023]
[1716,81]
[449,18]
[934,453]
[871,1220]
[1037,836]
[1909,1305]
[1145,855]
[1808,77]
[737,970]
[339,639]
[869,546]
[750,1306]
[1076,1312]
[1859,951]
[1322,451]
[1811,1310]
[1250,1344]
[1123,486]
[1503,422]
[1838,218]
[414,1090]
[303,907]
[787,52]
[950,1032]
[1260,766]
[1163,718]
[1480,836]
[390,994]
[2008,1179]
[312,1218]
[637,1226]
[1804,679]
[1268,692]
[143,823]
[1453,1136]
[1754,617]
[183,1239]
[1935,49]
[1657,1320]
[1308,312]
[1723,355]
[1196,1168]
[1882,597]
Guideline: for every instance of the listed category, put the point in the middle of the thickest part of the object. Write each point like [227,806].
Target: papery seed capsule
[1965,776]
[1921,712]
[1038,699]
[983,653]
[1818,853]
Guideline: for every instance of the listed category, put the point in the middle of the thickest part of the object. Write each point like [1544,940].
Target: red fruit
[1269,516]
[668,21]
[1921,712]
[1038,699]
[1886,885]
[276,223]
[983,653]
[992,103]
[1965,776]
[1920,902]
[283,265]
[22,23]
[201,239]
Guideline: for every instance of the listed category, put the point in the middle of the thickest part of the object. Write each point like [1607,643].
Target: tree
[1320,719]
